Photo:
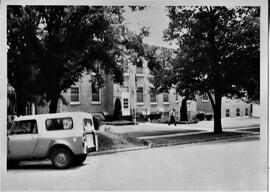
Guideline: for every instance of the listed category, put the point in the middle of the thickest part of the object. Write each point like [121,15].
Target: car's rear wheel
[79,159]
[61,158]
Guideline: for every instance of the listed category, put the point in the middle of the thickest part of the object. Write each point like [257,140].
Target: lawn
[201,137]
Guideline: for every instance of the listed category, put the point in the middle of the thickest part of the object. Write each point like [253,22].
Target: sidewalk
[158,135]
[227,123]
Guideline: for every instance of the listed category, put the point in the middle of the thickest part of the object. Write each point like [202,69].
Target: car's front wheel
[61,158]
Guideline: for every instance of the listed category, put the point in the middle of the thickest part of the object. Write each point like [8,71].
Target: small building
[229,107]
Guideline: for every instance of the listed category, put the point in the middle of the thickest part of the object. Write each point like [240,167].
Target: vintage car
[64,138]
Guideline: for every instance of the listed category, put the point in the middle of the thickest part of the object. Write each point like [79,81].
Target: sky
[153,17]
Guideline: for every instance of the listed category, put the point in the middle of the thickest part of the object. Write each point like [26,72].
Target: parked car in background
[64,138]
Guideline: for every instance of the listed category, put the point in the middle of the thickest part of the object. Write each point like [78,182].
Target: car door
[22,140]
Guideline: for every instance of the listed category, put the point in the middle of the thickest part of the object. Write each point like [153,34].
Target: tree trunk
[20,104]
[53,104]
[217,113]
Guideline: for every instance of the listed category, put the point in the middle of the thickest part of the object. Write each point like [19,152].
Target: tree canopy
[218,54]
[49,48]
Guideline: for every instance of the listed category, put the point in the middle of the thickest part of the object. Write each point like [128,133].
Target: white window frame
[166,102]
[176,98]
[139,103]
[205,100]
[227,113]
[99,94]
[151,94]
[246,112]
[237,112]
[99,70]
[75,102]
[126,69]
[127,106]
[139,71]
[125,88]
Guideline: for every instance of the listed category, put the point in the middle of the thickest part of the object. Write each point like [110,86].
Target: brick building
[229,107]
[134,95]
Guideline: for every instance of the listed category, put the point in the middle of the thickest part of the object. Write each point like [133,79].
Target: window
[176,98]
[59,124]
[140,95]
[139,70]
[205,98]
[74,95]
[126,68]
[246,112]
[227,112]
[153,96]
[95,94]
[96,68]
[237,112]
[24,127]
[125,88]
[126,103]
[165,98]
[88,124]
[166,114]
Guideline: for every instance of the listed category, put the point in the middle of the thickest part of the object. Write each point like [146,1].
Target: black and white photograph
[134,95]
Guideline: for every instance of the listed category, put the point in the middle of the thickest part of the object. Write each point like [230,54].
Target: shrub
[208,116]
[117,109]
[120,123]
[183,110]
[99,116]
[200,115]
[98,119]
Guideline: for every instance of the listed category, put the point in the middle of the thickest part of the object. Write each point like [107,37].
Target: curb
[119,150]
[214,140]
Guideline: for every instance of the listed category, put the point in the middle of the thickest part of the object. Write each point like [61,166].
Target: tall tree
[218,54]
[24,50]
[66,41]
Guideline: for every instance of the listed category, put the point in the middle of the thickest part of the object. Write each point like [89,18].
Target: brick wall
[159,106]
[86,104]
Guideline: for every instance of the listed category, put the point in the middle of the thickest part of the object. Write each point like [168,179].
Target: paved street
[223,166]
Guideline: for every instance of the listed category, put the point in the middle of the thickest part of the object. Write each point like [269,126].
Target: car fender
[67,143]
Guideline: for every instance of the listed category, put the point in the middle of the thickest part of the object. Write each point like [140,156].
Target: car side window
[24,127]
[88,124]
[59,124]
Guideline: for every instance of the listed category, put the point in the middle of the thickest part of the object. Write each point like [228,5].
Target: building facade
[135,96]
[229,107]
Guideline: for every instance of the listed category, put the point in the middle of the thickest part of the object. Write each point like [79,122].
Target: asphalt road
[216,166]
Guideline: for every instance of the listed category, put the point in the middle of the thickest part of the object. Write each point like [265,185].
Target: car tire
[79,159]
[61,158]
